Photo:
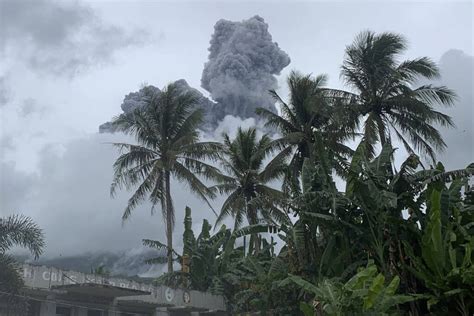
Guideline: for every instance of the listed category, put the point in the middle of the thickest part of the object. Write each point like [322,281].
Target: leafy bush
[446,263]
[365,293]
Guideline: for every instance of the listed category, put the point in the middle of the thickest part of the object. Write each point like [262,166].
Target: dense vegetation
[397,240]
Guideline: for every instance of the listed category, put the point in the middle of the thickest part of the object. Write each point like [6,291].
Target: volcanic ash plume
[135,100]
[243,62]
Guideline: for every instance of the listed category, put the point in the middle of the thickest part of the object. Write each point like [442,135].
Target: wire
[66,276]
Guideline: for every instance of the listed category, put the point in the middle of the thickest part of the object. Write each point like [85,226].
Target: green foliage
[335,233]
[166,132]
[365,293]
[386,96]
[252,284]
[16,230]
[311,109]
[411,227]
[246,181]
[446,262]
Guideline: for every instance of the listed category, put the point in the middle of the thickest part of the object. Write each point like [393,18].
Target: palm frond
[196,185]
[10,277]
[22,231]
[155,244]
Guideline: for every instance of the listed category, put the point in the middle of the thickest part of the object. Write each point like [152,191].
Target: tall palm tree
[21,231]
[312,108]
[386,92]
[165,130]
[247,179]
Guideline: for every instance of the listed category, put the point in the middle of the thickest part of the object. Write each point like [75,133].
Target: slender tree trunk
[381,128]
[253,220]
[257,243]
[169,221]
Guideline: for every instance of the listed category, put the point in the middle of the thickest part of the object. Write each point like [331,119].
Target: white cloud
[4,91]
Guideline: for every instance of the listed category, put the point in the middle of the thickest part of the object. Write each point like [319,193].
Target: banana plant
[445,266]
[199,258]
[204,259]
[256,279]
[366,293]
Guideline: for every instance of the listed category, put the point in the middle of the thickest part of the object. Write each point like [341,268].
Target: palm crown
[247,178]
[16,231]
[312,109]
[165,129]
[385,93]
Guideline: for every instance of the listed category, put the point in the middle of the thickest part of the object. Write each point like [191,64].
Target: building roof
[102,290]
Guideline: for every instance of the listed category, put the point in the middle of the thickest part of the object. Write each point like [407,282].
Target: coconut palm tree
[312,108]
[387,94]
[247,179]
[165,130]
[16,230]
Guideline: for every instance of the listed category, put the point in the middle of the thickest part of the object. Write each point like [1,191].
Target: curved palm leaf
[166,132]
[385,94]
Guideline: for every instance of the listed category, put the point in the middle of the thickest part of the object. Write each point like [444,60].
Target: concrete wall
[42,277]
[175,297]
[45,277]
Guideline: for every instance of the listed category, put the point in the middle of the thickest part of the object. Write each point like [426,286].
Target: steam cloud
[243,62]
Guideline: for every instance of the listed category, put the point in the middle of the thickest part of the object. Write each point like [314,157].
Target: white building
[53,292]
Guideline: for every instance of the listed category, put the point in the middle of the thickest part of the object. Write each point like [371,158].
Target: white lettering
[27,273]
[46,275]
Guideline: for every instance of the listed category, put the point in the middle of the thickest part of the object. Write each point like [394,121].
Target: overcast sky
[65,67]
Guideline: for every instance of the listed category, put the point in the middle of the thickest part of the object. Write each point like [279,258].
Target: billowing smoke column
[243,62]
[135,100]
[132,101]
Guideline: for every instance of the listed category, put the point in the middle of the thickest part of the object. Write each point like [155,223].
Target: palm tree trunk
[381,128]
[169,221]
[253,220]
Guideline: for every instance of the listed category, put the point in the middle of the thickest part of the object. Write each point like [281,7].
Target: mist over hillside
[124,263]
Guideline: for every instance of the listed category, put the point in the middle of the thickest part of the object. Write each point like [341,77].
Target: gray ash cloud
[135,100]
[457,73]
[243,62]
[61,38]
[132,101]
